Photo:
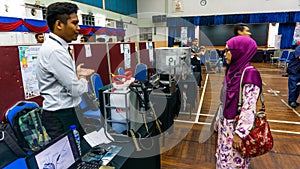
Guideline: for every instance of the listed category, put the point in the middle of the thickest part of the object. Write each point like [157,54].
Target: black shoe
[294,104]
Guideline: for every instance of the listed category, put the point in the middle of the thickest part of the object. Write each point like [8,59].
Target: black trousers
[59,121]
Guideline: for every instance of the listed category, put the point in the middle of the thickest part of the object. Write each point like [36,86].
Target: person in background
[83,39]
[293,71]
[110,40]
[241,29]
[39,37]
[195,61]
[60,83]
[238,53]
[100,39]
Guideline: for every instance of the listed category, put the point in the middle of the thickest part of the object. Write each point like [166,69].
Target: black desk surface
[129,158]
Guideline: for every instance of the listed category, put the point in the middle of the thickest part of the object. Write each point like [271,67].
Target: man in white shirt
[59,83]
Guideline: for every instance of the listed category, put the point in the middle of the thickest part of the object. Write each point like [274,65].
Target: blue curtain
[172,34]
[281,17]
[219,19]
[180,22]
[171,22]
[233,19]
[296,17]
[206,20]
[287,32]
[196,20]
[286,28]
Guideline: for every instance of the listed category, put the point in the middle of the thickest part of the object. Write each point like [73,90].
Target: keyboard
[89,165]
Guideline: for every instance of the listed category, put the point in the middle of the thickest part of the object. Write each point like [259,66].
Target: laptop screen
[61,153]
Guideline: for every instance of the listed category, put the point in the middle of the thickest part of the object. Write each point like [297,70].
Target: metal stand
[124,106]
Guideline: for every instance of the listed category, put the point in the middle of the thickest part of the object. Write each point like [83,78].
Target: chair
[274,56]
[213,56]
[88,114]
[283,57]
[291,55]
[121,71]
[141,72]
[97,83]
[91,118]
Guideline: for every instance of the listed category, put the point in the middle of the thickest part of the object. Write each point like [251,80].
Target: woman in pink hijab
[238,53]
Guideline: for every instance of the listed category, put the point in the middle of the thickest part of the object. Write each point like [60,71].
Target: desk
[128,157]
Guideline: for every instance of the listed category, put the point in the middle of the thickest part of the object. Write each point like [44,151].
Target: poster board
[28,58]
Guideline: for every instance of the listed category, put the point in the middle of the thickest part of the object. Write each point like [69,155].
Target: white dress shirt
[56,74]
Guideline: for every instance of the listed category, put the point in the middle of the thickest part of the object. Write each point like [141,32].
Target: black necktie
[70,52]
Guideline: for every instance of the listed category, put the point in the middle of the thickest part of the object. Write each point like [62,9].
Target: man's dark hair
[59,11]
[195,39]
[238,27]
[37,35]
[85,38]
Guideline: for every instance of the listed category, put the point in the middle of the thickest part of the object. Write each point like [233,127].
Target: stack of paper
[98,137]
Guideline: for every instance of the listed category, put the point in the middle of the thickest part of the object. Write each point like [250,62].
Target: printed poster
[277,41]
[28,58]
[88,51]
[297,34]
[150,48]
[184,37]
[127,59]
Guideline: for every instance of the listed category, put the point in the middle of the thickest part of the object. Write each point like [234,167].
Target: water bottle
[77,137]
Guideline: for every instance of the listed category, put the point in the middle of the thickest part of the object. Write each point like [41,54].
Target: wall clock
[203,2]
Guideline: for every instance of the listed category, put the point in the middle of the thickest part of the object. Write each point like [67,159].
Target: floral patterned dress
[227,156]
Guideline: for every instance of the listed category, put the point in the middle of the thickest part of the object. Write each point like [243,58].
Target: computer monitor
[60,153]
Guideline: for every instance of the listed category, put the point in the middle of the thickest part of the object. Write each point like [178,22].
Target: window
[88,20]
[44,10]
[145,34]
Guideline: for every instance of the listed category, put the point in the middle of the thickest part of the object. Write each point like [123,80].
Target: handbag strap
[241,90]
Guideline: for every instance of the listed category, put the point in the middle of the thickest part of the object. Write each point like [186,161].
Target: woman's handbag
[260,139]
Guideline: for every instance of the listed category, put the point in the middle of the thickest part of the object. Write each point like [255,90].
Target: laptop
[60,153]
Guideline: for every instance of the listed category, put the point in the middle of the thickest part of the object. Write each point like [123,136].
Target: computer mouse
[96,162]
[99,150]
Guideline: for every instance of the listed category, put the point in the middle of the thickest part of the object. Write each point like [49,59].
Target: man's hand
[83,72]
